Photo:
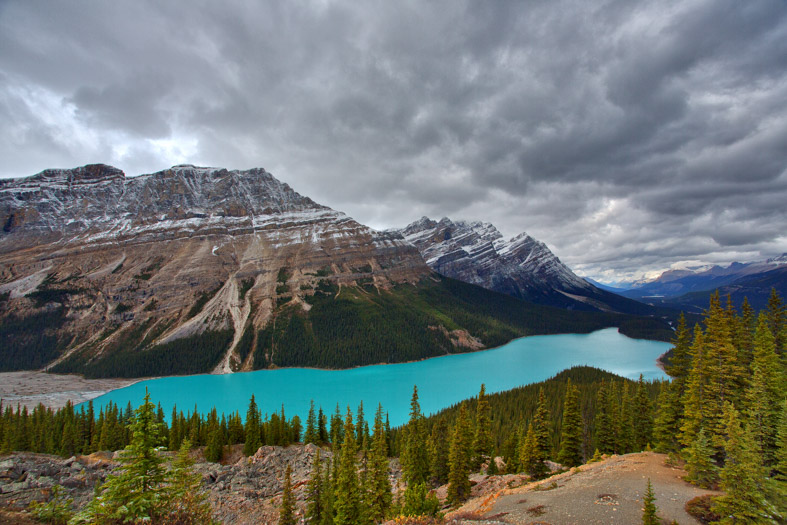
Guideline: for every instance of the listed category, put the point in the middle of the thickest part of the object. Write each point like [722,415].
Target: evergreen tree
[625,441]
[347,502]
[439,445]
[643,419]
[649,510]
[311,435]
[314,492]
[215,449]
[287,508]
[781,446]
[482,443]
[329,495]
[605,429]
[378,491]
[415,455]
[670,413]
[322,427]
[724,371]
[360,423]
[252,429]
[188,502]
[570,454]
[695,403]
[459,459]
[741,477]
[764,396]
[776,320]
[700,468]
[135,492]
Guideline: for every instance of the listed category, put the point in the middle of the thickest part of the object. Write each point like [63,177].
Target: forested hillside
[724,413]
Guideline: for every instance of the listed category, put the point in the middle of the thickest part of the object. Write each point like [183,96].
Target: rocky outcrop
[123,260]
[246,492]
[524,267]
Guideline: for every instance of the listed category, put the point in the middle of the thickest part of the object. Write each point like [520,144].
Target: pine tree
[314,492]
[764,396]
[252,429]
[741,477]
[528,454]
[329,494]
[643,418]
[136,490]
[670,414]
[724,372]
[360,423]
[625,441]
[215,449]
[781,446]
[649,510]
[311,426]
[378,492]
[287,508]
[605,430]
[439,445]
[700,468]
[459,459]
[415,455]
[570,454]
[347,502]
[776,320]
[188,503]
[482,443]
[541,422]
[695,402]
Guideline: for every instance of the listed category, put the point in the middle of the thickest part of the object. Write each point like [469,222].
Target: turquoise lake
[441,381]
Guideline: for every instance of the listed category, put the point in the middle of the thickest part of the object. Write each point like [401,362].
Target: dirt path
[28,388]
[608,492]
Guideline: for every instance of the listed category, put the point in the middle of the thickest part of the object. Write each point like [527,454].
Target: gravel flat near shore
[30,387]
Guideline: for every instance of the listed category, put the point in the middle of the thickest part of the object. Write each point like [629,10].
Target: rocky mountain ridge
[523,267]
[128,258]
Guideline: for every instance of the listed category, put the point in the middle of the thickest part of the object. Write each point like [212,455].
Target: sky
[629,136]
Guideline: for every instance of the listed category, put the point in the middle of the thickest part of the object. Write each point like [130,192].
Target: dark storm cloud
[628,136]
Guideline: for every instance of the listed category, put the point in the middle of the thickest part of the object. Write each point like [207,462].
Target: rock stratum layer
[95,256]
[193,270]
[523,267]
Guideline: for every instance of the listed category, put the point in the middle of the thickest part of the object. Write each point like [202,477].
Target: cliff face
[100,261]
[477,253]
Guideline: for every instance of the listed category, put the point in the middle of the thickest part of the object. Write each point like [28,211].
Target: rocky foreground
[249,489]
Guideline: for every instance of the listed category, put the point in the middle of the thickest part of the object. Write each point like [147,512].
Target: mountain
[523,267]
[674,283]
[755,288]
[194,269]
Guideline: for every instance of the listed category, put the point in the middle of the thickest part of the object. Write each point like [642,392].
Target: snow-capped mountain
[476,252]
[125,254]
[674,283]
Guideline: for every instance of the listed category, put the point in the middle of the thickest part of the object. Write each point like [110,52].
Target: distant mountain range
[689,289]
[193,269]
[523,267]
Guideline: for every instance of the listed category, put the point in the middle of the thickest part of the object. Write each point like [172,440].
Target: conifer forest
[723,412]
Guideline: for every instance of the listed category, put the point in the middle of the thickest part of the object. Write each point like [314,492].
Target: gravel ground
[28,388]
[608,492]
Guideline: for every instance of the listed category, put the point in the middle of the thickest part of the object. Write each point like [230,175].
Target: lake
[442,381]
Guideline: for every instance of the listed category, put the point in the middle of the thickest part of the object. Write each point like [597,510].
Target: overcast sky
[628,136]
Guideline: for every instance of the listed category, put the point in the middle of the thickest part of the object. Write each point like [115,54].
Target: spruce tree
[643,418]
[700,468]
[329,494]
[135,491]
[311,435]
[764,396]
[670,413]
[541,423]
[415,455]
[695,402]
[528,454]
[252,429]
[459,459]
[482,443]
[287,508]
[347,501]
[625,441]
[314,492]
[741,477]
[439,445]
[187,501]
[776,320]
[570,454]
[378,490]
[781,446]
[724,372]
[605,430]
[649,510]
